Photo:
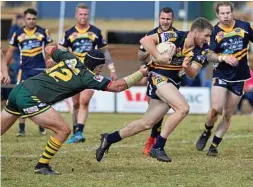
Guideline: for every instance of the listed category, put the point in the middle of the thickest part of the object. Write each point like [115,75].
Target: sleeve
[213,43]
[47,38]
[251,33]
[201,58]
[60,55]
[96,82]
[64,40]
[14,41]
[100,41]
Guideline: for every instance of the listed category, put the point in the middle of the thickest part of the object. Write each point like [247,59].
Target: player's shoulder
[40,29]
[153,31]
[19,31]
[94,28]
[70,30]
[242,24]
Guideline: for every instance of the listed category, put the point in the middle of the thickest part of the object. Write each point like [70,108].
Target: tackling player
[229,53]
[33,97]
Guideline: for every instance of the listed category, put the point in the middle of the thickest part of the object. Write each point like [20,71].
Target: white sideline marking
[93,148]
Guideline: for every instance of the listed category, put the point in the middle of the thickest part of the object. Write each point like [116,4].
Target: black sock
[22,127]
[160,142]
[41,129]
[156,129]
[74,129]
[79,127]
[114,137]
[216,142]
[208,128]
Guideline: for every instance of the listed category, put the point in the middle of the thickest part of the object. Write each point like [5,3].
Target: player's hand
[186,62]
[144,70]
[5,78]
[50,63]
[229,59]
[114,76]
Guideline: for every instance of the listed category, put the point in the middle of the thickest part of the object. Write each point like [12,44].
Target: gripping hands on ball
[167,50]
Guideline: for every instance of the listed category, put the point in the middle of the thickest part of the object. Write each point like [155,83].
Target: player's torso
[82,41]
[31,46]
[232,41]
[173,70]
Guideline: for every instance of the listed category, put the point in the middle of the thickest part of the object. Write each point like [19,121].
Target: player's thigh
[171,95]
[7,120]
[85,96]
[218,98]
[231,103]
[52,120]
[156,111]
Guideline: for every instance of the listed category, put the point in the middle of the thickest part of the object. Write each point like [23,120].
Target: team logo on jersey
[31,110]
[98,78]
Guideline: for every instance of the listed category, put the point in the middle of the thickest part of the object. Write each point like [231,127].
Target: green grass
[125,165]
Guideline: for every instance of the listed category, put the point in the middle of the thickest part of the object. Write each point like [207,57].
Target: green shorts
[23,103]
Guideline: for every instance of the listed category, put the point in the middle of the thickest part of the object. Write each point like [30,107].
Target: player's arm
[216,58]
[128,81]
[149,43]
[5,78]
[109,62]
[191,70]
[143,55]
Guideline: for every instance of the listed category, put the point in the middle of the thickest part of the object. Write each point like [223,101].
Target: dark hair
[201,24]
[167,10]
[94,58]
[223,3]
[19,16]
[30,11]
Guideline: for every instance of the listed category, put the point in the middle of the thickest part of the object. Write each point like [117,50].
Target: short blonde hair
[81,6]
[223,3]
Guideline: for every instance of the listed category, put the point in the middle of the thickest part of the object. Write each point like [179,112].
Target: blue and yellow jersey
[156,30]
[31,45]
[197,55]
[232,41]
[82,41]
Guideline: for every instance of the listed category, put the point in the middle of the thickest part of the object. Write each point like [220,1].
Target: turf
[125,165]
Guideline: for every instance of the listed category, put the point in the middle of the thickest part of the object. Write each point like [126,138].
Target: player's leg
[156,110]
[7,120]
[51,120]
[230,105]
[176,101]
[218,97]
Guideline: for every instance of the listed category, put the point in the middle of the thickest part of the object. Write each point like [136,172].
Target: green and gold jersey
[67,78]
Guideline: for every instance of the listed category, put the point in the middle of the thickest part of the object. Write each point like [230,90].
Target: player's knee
[227,115]
[214,113]
[184,110]
[76,105]
[147,124]
[66,130]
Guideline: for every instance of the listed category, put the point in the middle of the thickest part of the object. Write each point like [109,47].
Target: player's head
[20,20]
[30,18]
[166,18]
[95,60]
[82,14]
[224,12]
[201,29]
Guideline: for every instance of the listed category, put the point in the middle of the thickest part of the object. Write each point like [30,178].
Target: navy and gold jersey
[232,41]
[197,55]
[31,45]
[67,78]
[82,41]
[156,30]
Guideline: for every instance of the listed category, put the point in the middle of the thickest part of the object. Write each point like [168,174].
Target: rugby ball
[165,47]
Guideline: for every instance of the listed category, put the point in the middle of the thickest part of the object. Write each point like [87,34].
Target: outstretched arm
[109,63]
[215,58]
[5,78]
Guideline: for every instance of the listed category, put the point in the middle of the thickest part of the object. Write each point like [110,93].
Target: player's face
[202,37]
[30,21]
[225,15]
[82,16]
[98,69]
[166,21]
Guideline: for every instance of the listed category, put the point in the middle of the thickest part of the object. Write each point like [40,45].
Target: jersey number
[64,74]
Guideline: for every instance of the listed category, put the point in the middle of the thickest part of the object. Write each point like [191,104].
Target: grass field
[125,165]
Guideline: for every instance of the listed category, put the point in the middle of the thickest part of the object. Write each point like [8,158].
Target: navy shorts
[234,87]
[26,74]
[154,81]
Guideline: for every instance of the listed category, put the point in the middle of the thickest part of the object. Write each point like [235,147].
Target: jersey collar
[227,29]
[30,32]
[82,31]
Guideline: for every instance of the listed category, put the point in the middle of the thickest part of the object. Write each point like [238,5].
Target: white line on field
[92,148]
